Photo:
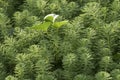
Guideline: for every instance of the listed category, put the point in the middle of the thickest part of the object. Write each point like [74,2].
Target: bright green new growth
[103,76]
[49,20]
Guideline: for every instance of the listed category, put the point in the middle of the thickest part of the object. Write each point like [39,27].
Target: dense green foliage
[86,48]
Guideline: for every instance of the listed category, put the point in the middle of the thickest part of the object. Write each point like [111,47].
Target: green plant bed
[60,40]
